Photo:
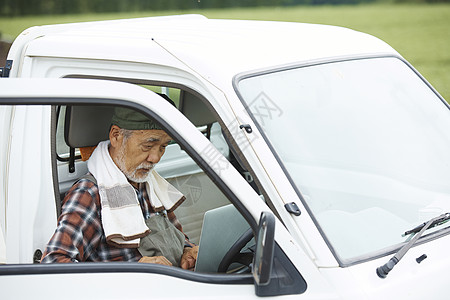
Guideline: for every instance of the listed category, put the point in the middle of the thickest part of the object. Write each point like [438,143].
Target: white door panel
[118,286]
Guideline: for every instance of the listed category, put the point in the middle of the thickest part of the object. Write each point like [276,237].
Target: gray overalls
[164,239]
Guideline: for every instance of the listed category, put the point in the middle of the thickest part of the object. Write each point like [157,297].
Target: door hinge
[4,72]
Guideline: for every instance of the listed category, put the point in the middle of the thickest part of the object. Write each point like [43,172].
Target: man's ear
[115,136]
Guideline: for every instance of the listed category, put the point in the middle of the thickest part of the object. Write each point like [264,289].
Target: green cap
[130,119]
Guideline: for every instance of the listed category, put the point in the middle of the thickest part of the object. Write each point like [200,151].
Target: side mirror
[263,259]
[273,271]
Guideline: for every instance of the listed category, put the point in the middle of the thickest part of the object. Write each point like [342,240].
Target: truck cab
[312,149]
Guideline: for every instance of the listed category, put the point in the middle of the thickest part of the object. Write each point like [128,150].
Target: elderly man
[122,210]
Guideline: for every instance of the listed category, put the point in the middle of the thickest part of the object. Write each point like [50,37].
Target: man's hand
[155,260]
[189,258]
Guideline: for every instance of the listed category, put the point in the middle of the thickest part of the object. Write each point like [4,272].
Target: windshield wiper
[439,221]
[383,270]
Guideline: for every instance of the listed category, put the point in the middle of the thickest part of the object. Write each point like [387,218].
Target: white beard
[131,175]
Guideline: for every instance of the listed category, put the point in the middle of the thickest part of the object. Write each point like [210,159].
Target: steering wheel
[234,253]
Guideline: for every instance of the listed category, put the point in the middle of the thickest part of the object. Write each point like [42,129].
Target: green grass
[421,33]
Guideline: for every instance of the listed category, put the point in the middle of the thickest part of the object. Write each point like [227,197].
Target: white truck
[314,158]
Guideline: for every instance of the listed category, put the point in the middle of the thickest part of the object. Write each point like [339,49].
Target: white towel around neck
[122,218]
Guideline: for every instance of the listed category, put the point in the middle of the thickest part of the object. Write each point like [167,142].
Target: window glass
[172,93]
[366,143]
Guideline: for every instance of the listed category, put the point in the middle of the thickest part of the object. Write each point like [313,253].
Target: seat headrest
[195,110]
[86,126]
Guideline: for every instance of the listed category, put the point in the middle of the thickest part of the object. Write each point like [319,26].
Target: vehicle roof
[204,45]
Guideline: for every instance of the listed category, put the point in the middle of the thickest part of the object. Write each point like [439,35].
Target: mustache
[149,166]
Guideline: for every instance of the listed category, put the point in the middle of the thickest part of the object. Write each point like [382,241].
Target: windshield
[366,143]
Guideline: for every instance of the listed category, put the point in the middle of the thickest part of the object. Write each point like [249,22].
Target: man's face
[138,154]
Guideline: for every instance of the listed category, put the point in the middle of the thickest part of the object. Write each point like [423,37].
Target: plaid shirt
[79,236]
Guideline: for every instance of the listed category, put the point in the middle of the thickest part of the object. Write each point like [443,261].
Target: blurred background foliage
[37,7]
[418,29]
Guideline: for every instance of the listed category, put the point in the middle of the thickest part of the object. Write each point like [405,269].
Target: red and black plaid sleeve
[79,228]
